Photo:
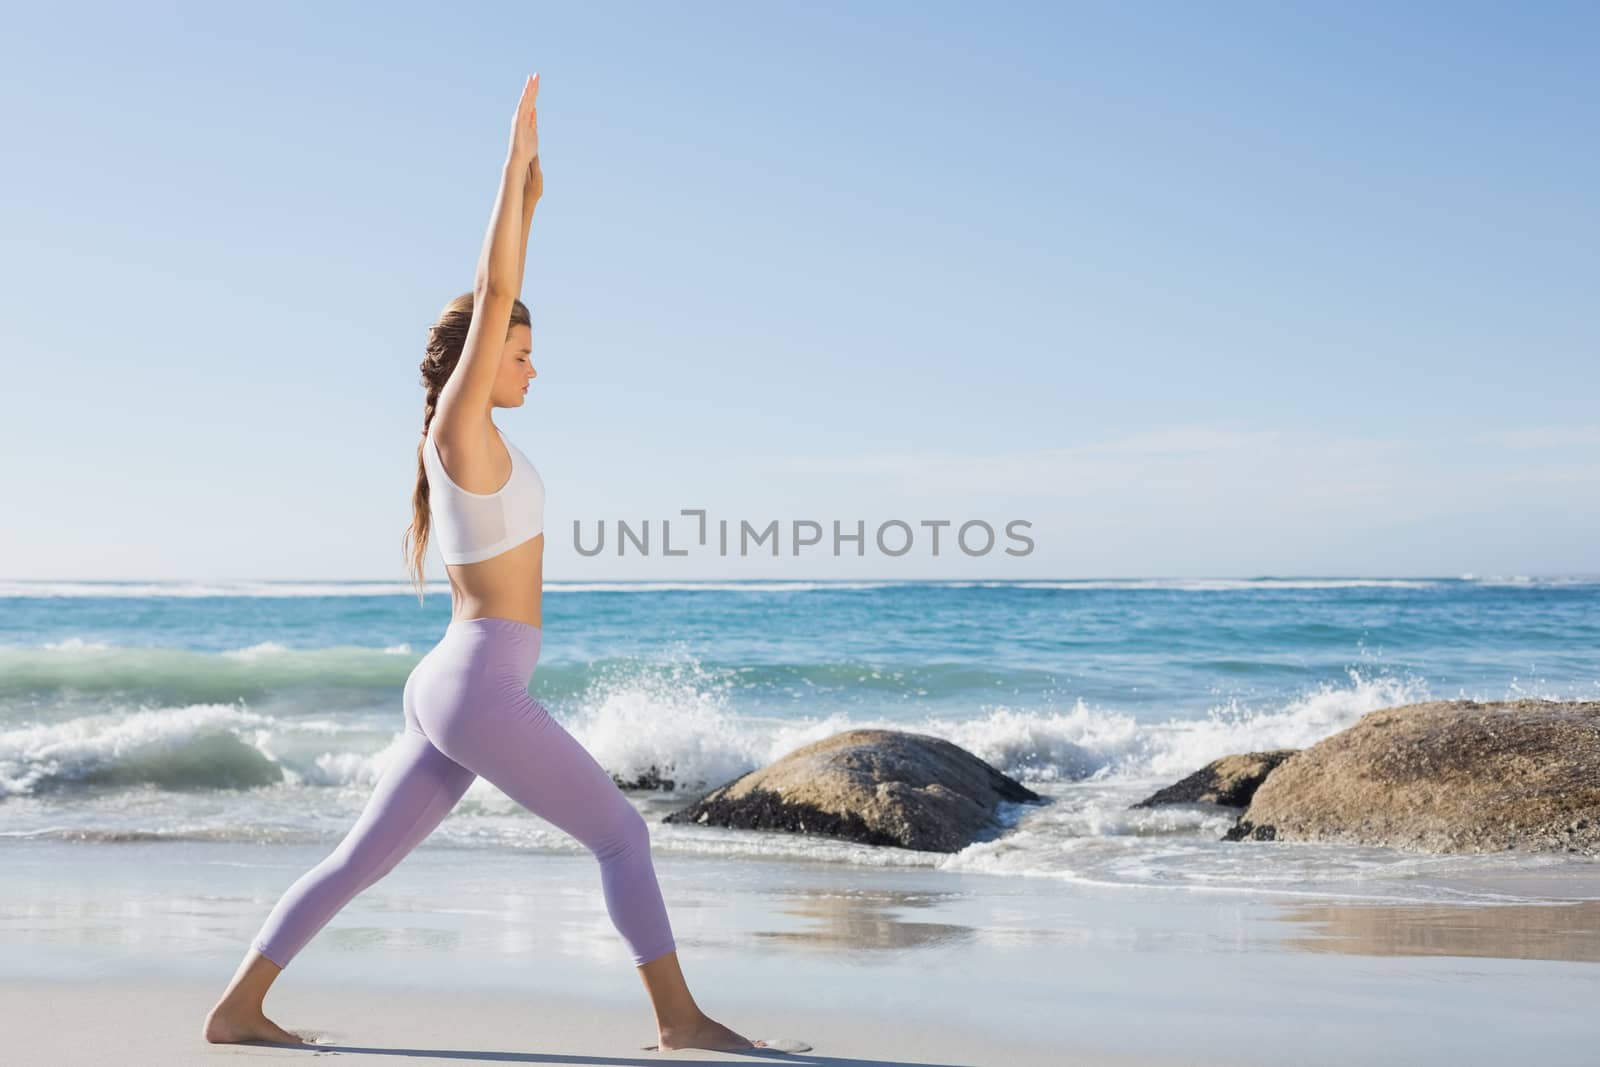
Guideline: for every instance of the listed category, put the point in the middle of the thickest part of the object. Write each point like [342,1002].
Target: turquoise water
[263,711]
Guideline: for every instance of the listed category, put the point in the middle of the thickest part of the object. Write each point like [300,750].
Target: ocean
[260,713]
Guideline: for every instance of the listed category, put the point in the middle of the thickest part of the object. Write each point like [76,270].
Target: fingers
[526,127]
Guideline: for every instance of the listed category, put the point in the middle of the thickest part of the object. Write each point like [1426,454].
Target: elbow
[487,289]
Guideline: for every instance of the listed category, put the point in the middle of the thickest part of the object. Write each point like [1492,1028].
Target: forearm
[529,202]
[500,264]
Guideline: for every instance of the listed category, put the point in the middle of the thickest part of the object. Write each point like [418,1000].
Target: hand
[525,130]
[533,187]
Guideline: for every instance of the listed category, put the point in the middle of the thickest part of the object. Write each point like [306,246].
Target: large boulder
[876,787]
[1230,781]
[1443,776]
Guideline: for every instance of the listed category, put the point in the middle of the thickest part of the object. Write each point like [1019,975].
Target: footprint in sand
[777,1044]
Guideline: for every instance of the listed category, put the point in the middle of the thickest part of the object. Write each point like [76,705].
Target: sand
[114,954]
[157,1021]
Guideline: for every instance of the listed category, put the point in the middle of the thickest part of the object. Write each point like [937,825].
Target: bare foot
[708,1034]
[233,1025]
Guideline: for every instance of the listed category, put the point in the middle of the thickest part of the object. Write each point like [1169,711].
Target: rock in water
[876,787]
[1230,781]
[1443,776]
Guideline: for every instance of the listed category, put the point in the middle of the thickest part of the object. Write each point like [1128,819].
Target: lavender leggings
[468,712]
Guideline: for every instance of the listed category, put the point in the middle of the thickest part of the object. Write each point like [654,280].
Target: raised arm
[532,190]
[463,414]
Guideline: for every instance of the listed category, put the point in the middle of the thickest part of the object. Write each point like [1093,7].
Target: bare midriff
[507,586]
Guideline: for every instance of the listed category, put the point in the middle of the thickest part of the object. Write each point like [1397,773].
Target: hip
[477,664]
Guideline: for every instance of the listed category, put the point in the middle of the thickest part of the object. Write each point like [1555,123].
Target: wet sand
[113,955]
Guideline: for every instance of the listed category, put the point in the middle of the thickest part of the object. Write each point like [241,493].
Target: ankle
[236,1002]
[689,1019]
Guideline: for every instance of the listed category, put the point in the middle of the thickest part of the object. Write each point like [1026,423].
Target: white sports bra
[475,526]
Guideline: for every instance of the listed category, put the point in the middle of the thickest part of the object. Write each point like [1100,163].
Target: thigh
[524,752]
[415,791]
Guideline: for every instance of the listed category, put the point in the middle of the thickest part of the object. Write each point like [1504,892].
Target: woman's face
[516,369]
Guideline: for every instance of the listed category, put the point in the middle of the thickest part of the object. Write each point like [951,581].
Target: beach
[378,1025]
[1072,527]
[113,954]
[173,758]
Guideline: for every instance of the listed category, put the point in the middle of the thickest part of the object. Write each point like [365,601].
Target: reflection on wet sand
[1556,931]
[863,919]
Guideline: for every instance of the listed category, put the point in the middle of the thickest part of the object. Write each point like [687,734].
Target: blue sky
[1196,290]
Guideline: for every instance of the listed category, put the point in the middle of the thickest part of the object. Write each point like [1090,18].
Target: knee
[374,874]
[627,834]
[357,869]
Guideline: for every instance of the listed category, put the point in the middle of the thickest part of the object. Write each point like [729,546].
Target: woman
[466,704]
